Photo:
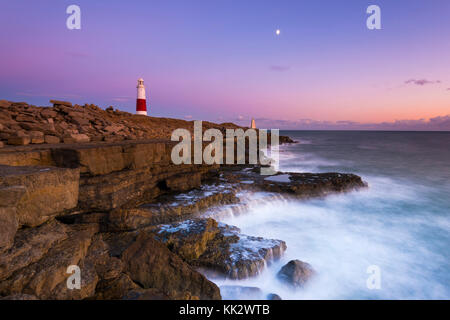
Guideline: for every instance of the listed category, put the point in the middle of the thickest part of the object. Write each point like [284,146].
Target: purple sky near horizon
[222,61]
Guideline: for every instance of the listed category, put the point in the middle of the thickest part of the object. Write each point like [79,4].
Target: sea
[388,241]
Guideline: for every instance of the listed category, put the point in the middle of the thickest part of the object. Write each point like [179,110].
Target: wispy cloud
[188,117]
[77,54]
[422,82]
[47,95]
[441,123]
[122,99]
[279,68]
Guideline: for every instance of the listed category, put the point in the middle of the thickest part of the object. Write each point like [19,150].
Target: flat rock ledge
[291,184]
[219,249]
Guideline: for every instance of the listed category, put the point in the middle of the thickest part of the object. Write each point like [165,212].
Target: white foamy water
[400,223]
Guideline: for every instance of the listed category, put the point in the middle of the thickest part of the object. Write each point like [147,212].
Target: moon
[278,32]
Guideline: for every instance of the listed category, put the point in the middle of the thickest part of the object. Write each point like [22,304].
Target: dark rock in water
[273,296]
[285,139]
[296,273]
[219,249]
[298,185]
[242,293]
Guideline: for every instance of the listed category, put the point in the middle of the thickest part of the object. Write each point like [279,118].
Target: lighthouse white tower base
[141,102]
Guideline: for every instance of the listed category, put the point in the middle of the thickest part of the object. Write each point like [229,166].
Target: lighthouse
[141,102]
[253,124]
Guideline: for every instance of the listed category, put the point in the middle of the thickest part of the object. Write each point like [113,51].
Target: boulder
[76,138]
[296,273]
[37,137]
[25,118]
[273,296]
[19,141]
[4,104]
[36,134]
[49,192]
[61,103]
[51,139]
[151,264]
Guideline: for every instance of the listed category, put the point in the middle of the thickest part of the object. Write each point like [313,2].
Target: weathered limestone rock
[30,245]
[49,191]
[26,158]
[190,238]
[152,265]
[76,138]
[170,208]
[184,182]
[8,227]
[62,103]
[219,249]
[51,139]
[37,137]
[296,273]
[4,104]
[299,185]
[19,141]
[46,277]
[9,197]
[37,140]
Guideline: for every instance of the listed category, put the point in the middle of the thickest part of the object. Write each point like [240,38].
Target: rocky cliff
[80,186]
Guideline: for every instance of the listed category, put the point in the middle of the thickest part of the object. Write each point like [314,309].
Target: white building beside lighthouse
[141,101]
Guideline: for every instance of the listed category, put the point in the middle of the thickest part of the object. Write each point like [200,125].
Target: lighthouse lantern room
[141,102]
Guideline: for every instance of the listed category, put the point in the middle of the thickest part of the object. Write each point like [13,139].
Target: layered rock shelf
[81,186]
[218,248]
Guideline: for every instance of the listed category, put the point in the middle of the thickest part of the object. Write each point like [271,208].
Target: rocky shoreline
[106,197]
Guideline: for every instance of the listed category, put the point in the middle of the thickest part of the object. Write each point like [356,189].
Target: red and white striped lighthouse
[141,102]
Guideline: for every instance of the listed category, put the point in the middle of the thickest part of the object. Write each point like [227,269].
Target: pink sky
[224,62]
